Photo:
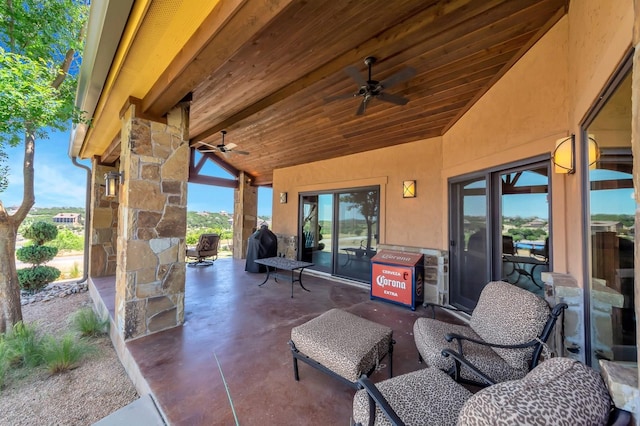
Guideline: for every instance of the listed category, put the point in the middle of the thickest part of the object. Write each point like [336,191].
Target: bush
[36,278]
[4,363]
[68,240]
[64,353]
[40,232]
[22,346]
[87,323]
[36,255]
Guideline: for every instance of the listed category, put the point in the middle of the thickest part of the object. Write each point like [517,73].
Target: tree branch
[64,69]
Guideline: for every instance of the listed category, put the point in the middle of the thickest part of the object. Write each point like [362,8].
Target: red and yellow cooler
[397,277]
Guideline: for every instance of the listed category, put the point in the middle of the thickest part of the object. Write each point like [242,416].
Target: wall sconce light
[409,189]
[112,180]
[564,156]
[283,198]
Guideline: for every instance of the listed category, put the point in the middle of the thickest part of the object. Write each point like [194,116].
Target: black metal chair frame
[459,359]
[297,355]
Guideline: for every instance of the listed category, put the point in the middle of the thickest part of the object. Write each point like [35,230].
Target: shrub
[40,232]
[36,278]
[64,353]
[68,240]
[4,363]
[36,255]
[22,346]
[87,323]
[75,270]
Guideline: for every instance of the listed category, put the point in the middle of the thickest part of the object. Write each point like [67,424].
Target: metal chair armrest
[459,361]
[377,399]
[451,336]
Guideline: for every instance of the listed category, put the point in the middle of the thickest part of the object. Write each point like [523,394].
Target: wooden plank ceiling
[268,91]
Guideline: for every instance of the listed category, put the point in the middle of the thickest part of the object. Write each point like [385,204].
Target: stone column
[103,225]
[568,337]
[150,278]
[245,215]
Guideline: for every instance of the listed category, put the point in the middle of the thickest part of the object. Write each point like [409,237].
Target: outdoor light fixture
[283,198]
[564,156]
[409,189]
[112,180]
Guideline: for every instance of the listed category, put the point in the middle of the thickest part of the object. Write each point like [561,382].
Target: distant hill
[195,220]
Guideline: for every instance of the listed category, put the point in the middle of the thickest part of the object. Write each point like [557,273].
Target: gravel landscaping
[82,396]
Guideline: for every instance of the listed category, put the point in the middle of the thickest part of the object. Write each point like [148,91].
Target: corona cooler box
[397,277]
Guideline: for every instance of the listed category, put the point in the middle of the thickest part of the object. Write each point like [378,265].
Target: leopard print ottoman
[343,343]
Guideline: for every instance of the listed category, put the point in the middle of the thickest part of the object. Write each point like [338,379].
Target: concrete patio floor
[230,362]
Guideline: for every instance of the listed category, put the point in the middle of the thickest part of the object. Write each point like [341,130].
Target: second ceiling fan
[229,148]
[373,89]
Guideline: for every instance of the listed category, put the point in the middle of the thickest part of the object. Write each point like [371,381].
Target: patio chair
[504,339]
[559,391]
[205,252]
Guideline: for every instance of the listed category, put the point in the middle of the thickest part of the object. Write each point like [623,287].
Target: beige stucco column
[245,215]
[103,225]
[635,149]
[150,276]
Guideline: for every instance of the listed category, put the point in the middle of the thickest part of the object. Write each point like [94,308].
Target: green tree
[40,46]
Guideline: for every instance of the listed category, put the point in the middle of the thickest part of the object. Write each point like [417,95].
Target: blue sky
[59,183]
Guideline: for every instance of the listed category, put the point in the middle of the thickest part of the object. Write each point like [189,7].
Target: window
[611,230]
[499,229]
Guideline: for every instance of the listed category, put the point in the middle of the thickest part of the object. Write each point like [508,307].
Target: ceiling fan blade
[394,99]
[207,145]
[363,107]
[230,146]
[399,77]
[355,74]
[239,152]
[209,150]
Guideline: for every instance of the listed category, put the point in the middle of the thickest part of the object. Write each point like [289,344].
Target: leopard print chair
[506,315]
[560,391]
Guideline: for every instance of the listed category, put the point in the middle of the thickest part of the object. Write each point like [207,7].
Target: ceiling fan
[370,89]
[222,148]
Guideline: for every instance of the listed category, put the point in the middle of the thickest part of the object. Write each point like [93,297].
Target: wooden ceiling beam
[112,153]
[230,25]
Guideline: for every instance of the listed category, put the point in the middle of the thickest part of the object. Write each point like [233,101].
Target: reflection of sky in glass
[611,201]
[525,205]
[513,205]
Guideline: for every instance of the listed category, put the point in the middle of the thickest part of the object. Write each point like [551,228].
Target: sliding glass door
[499,230]
[339,231]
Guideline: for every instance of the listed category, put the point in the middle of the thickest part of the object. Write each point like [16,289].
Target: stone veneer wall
[245,215]
[288,246]
[436,271]
[568,336]
[103,226]
[150,277]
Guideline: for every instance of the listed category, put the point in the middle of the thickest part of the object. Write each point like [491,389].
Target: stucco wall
[543,97]
[410,222]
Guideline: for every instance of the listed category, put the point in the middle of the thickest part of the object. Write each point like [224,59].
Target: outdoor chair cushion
[343,342]
[560,391]
[429,338]
[505,315]
[508,315]
[424,397]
